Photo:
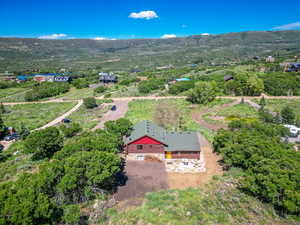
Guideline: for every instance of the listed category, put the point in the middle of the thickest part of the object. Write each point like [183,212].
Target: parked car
[11,137]
[66,120]
[114,108]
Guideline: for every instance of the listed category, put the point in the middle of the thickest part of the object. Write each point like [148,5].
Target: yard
[34,115]
[142,177]
[145,110]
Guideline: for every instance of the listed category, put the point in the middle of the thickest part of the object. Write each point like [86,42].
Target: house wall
[147,148]
[186,155]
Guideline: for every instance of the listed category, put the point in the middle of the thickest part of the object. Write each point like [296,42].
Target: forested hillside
[20,53]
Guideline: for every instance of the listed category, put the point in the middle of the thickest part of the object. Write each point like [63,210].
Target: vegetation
[181,86]
[46,89]
[220,202]
[203,92]
[43,143]
[90,102]
[100,89]
[35,115]
[150,85]
[87,167]
[271,166]
[70,130]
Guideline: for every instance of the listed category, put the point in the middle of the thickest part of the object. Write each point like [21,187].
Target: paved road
[122,108]
[59,119]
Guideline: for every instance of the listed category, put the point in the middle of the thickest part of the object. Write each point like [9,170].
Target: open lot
[143,177]
[34,115]
[13,94]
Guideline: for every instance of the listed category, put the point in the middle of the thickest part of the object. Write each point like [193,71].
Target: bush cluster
[182,86]
[45,90]
[271,166]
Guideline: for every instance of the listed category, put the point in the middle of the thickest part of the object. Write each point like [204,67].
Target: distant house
[293,67]
[150,140]
[107,78]
[135,70]
[164,67]
[62,79]
[45,77]
[7,76]
[270,59]
[256,57]
[228,77]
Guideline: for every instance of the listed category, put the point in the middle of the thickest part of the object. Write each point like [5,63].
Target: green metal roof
[174,141]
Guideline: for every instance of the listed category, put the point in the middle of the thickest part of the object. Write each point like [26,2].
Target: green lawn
[13,94]
[88,118]
[34,115]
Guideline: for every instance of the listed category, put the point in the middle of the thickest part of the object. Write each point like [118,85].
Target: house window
[139,147]
[140,157]
[185,163]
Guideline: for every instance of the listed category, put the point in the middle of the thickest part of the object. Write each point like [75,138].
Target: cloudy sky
[123,19]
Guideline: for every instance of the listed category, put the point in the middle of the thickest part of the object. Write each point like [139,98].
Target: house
[228,77]
[62,79]
[149,139]
[45,77]
[108,78]
[270,59]
[294,67]
[7,76]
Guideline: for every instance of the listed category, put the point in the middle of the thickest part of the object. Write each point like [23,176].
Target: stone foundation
[141,156]
[185,165]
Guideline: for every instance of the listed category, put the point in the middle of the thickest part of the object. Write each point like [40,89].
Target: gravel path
[59,119]
[122,108]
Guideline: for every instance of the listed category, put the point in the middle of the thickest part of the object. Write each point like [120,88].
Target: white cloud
[288,26]
[205,34]
[166,36]
[144,15]
[103,38]
[53,36]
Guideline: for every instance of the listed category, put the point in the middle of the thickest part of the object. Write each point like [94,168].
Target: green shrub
[70,130]
[46,89]
[100,89]
[80,83]
[43,143]
[90,102]
[181,86]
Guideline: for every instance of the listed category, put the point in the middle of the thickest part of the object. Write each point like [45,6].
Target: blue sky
[122,19]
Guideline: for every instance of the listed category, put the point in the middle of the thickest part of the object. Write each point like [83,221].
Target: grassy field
[144,110]
[13,94]
[276,105]
[34,115]
[227,114]
[220,202]
[88,118]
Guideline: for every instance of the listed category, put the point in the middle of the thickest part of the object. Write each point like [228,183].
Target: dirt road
[198,116]
[59,119]
[122,108]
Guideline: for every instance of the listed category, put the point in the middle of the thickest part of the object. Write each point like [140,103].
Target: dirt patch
[143,177]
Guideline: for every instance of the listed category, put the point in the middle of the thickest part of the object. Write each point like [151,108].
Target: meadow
[34,115]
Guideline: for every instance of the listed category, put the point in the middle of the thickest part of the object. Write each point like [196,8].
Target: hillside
[21,54]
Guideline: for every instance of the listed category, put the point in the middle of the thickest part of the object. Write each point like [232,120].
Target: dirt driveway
[122,108]
[143,177]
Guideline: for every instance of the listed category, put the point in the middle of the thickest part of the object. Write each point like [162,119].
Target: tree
[262,102]
[2,108]
[203,92]
[71,214]
[3,128]
[70,130]
[23,131]
[288,115]
[90,102]
[120,127]
[100,89]
[43,143]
